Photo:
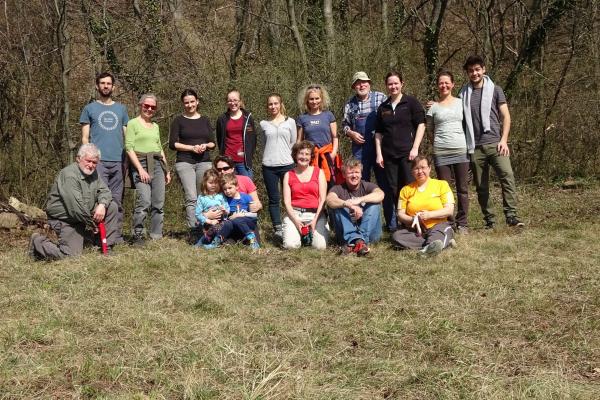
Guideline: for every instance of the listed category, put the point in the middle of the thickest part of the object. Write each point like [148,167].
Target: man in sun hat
[360,113]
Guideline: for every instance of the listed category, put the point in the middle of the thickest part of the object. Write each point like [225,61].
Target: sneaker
[32,251]
[138,241]
[452,244]
[216,242]
[252,242]
[348,250]
[490,225]
[360,248]
[462,230]
[432,249]
[278,231]
[514,222]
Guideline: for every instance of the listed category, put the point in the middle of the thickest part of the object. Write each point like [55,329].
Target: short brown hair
[222,158]
[304,144]
[472,61]
[228,179]
[394,73]
[417,160]
[444,72]
[351,163]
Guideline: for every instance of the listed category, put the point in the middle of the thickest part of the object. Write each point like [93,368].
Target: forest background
[543,52]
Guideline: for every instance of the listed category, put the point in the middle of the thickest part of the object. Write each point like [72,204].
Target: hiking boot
[514,222]
[462,230]
[360,248]
[490,224]
[138,241]
[432,249]
[216,242]
[32,252]
[252,242]
[194,236]
[278,232]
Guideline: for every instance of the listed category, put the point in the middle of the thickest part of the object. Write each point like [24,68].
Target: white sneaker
[432,249]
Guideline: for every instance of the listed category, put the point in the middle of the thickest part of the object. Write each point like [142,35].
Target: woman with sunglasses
[192,136]
[225,165]
[150,172]
[317,125]
[236,134]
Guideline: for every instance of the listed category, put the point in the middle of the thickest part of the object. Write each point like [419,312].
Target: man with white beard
[77,202]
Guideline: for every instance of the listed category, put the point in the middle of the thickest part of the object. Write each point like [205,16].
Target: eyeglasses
[149,107]
[314,87]
[224,168]
[233,101]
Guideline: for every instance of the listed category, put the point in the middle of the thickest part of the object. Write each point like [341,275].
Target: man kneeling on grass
[356,209]
[77,202]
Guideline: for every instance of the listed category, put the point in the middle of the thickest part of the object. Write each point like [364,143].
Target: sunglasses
[149,107]
[224,168]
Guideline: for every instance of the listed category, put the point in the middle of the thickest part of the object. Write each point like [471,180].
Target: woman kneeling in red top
[304,192]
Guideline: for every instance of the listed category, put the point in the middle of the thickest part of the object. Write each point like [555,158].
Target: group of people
[301,165]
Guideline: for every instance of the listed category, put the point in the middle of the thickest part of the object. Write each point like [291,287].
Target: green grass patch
[508,314]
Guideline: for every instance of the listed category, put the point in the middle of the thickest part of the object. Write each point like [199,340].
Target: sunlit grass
[505,315]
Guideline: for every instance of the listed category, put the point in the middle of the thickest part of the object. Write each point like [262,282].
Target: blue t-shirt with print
[316,127]
[106,128]
[239,205]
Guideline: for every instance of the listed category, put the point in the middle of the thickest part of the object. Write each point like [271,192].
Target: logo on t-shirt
[108,120]
[315,122]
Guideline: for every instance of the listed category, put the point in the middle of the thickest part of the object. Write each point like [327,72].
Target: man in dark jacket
[77,202]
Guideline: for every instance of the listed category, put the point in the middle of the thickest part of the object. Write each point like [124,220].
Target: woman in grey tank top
[445,123]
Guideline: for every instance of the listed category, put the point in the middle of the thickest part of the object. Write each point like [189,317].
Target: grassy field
[506,315]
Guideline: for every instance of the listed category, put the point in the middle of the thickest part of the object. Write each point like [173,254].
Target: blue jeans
[366,154]
[240,169]
[273,178]
[237,228]
[368,228]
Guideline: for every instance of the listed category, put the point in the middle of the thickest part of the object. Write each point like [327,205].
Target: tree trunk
[384,19]
[297,37]
[63,41]
[183,26]
[431,43]
[329,31]
[534,41]
[240,27]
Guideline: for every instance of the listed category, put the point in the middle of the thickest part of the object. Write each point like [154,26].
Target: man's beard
[104,94]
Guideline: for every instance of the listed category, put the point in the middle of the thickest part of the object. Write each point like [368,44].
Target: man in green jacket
[77,202]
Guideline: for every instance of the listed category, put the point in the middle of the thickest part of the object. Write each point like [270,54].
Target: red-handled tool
[102,232]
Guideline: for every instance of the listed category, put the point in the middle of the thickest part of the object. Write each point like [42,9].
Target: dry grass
[506,315]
